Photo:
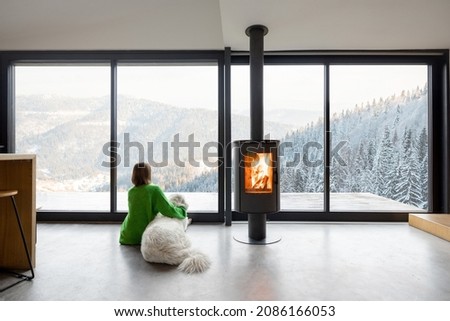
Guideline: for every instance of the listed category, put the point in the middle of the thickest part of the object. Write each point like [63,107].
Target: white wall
[109,24]
[215,24]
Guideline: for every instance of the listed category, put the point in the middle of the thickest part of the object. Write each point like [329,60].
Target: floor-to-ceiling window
[293,114]
[62,116]
[384,117]
[167,116]
[379,129]
[90,122]
[375,116]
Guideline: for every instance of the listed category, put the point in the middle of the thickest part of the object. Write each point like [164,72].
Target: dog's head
[179,200]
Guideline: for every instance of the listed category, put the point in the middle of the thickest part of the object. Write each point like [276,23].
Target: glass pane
[62,116]
[293,114]
[168,116]
[379,117]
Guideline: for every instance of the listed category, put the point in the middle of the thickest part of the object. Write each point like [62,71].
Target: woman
[145,200]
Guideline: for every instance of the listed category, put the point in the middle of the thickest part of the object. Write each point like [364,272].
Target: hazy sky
[192,86]
[365,83]
[302,86]
[197,87]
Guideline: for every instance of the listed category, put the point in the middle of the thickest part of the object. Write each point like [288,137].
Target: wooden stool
[22,277]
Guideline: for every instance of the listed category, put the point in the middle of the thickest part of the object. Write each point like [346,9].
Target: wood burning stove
[257,190]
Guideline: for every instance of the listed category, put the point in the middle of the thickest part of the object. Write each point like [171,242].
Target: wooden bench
[436,224]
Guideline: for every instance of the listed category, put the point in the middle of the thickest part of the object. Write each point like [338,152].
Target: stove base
[248,240]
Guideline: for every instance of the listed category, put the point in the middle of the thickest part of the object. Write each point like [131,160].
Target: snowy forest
[379,147]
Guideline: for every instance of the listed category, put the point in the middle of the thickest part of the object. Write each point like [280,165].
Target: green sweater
[144,202]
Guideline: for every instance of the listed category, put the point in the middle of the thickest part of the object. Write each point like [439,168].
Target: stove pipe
[256,34]
[253,203]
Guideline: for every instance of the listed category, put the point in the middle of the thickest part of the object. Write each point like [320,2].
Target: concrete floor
[326,261]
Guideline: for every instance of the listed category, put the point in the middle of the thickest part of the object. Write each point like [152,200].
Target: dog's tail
[195,262]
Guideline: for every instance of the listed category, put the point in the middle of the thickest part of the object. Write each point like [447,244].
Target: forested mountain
[380,147]
[67,135]
[71,139]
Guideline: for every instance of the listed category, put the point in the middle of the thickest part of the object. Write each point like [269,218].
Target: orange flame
[258,173]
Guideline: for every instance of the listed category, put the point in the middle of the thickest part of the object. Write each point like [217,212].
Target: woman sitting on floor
[145,200]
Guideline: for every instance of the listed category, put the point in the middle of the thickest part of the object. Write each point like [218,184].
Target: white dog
[165,241]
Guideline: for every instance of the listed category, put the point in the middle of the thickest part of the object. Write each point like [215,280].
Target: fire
[258,173]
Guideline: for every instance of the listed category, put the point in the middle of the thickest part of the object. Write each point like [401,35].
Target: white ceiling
[215,24]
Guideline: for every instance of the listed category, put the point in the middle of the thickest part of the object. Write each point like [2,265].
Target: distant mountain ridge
[70,137]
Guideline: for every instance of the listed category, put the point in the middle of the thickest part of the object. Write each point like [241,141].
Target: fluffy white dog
[165,241]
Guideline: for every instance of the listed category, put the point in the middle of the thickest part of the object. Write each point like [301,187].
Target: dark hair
[142,174]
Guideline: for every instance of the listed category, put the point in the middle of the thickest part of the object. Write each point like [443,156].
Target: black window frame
[439,150]
[438,122]
[112,58]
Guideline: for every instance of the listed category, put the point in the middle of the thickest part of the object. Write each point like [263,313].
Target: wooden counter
[17,172]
